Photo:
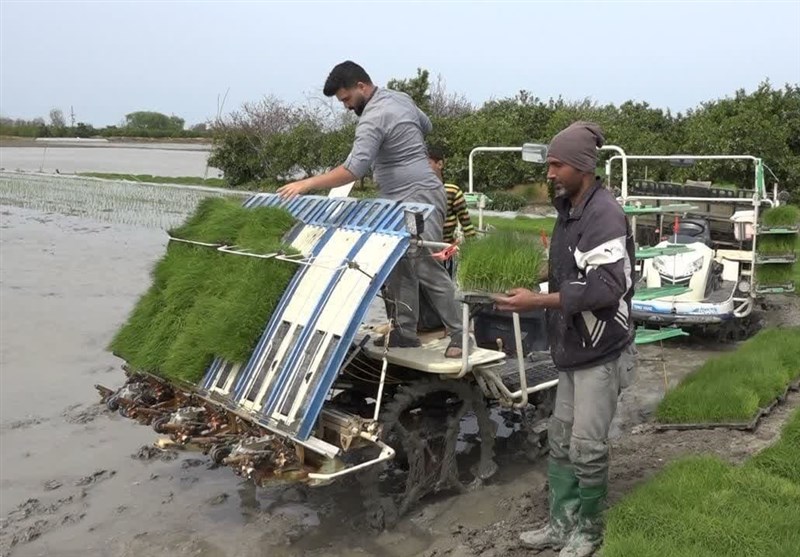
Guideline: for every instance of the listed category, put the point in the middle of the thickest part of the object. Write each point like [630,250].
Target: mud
[74,482]
[149,452]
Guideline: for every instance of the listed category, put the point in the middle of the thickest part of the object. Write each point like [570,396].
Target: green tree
[298,150]
[249,144]
[764,123]
[505,122]
[238,154]
[84,130]
[153,121]
[418,88]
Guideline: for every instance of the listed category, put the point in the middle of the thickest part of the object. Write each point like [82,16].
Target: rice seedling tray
[750,425]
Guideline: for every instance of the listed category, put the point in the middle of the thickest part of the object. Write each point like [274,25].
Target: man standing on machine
[390,141]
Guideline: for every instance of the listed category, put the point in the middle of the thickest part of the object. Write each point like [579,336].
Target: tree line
[270,141]
[267,142]
[135,124]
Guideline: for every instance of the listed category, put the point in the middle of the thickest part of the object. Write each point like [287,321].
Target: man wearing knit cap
[591,335]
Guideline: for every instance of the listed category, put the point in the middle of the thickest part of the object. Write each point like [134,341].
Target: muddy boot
[564,505]
[587,537]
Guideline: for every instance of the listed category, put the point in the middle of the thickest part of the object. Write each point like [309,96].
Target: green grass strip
[183,180]
[204,303]
[704,507]
[734,386]
[501,260]
[783,458]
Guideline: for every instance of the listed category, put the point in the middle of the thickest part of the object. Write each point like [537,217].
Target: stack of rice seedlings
[778,274]
[204,303]
[501,261]
[783,215]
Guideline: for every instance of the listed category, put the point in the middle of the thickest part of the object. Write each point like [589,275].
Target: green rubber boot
[564,505]
[587,537]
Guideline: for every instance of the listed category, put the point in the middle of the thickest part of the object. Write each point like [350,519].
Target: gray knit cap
[577,146]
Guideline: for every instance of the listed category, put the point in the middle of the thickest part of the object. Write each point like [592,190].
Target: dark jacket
[591,265]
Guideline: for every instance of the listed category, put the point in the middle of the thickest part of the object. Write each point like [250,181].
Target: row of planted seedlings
[112,201]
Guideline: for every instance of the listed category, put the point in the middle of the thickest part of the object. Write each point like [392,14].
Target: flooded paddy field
[157,159]
[147,206]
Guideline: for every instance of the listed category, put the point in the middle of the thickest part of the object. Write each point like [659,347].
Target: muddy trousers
[586,401]
[418,269]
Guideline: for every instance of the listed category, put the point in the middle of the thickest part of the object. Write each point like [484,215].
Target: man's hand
[292,189]
[522,299]
[516,299]
[339,176]
[446,253]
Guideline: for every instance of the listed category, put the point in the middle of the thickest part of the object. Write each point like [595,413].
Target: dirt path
[73,482]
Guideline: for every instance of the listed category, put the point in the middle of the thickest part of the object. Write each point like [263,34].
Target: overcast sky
[109,58]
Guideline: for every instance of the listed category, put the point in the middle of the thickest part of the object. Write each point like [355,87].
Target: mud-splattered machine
[318,400]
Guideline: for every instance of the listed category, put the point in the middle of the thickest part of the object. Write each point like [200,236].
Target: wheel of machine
[422,422]
[112,403]
[726,332]
[218,453]
[158,424]
[750,326]
[735,330]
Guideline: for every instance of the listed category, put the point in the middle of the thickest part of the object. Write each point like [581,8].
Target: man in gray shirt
[390,141]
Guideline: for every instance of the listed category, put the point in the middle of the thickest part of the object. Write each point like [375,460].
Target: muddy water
[70,480]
